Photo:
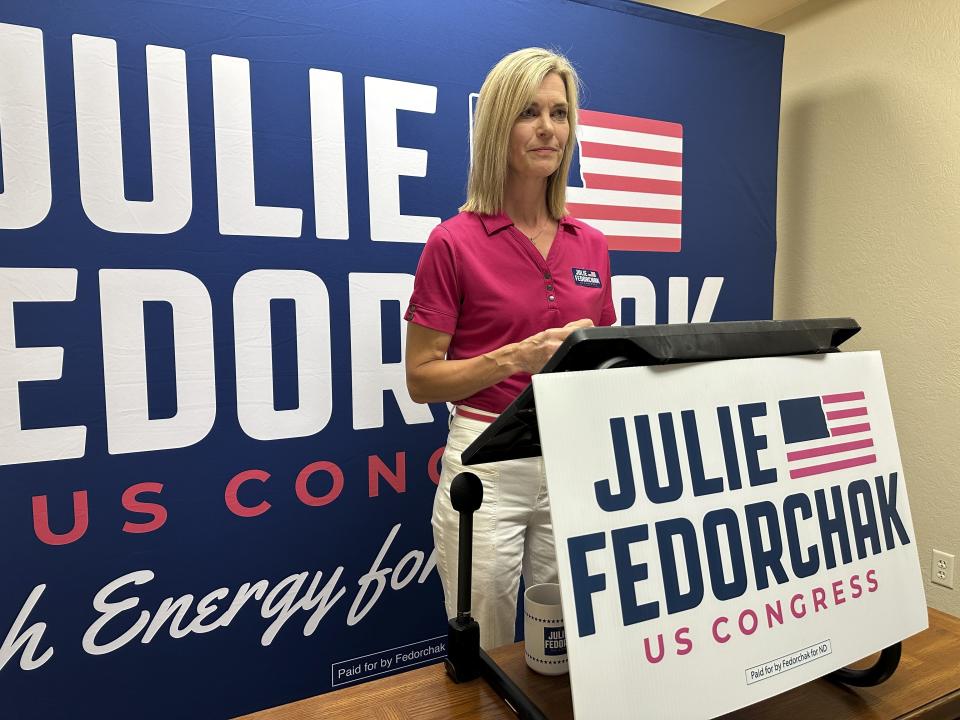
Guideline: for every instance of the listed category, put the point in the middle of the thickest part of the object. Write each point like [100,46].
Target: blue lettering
[888,512]
[753,444]
[666,531]
[765,559]
[671,456]
[712,522]
[729,448]
[628,575]
[791,504]
[621,452]
[864,527]
[701,485]
[648,463]
[585,584]
[830,526]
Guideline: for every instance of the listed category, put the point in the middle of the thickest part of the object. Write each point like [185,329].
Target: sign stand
[515,434]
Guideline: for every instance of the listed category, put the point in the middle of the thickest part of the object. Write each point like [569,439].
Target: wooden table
[926,685]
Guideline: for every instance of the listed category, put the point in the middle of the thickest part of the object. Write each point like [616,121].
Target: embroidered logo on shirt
[587,278]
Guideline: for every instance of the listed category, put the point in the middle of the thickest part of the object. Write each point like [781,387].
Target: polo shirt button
[546,276]
[549,287]
[551,298]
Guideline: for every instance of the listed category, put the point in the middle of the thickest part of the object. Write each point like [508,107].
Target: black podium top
[515,433]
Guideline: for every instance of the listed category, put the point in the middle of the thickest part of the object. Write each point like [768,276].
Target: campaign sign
[743,525]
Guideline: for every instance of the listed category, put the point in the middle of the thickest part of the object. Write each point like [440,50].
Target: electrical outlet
[941,569]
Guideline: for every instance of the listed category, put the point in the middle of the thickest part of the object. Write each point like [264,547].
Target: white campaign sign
[725,531]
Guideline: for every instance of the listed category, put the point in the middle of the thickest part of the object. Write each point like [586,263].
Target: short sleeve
[608,313]
[435,302]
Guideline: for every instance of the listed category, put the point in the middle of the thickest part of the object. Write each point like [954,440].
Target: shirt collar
[496,223]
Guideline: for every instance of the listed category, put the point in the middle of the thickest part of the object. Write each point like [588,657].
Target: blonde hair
[506,92]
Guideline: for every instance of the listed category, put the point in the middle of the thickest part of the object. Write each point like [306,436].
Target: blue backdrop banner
[214,489]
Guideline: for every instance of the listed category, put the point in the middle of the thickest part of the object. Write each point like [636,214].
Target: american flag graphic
[632,169]
[826,433]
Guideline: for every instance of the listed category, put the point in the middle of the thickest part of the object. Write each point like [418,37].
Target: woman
[498,288]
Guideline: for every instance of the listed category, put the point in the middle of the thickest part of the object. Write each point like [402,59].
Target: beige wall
[869,219]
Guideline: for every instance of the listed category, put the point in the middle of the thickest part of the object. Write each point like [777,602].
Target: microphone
[466,495]
[465,660]
[463,632]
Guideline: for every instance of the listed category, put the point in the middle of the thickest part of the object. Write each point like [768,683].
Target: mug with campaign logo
[544,640]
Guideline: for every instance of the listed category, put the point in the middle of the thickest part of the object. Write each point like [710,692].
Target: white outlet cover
[942,569]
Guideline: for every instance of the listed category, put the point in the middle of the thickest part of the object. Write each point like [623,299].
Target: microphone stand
[465,659]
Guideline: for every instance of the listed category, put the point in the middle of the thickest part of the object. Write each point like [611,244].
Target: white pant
[512,532]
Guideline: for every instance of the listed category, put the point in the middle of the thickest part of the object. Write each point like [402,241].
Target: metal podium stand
[515,435]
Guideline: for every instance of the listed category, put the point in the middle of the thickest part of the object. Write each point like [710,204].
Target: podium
[516,434]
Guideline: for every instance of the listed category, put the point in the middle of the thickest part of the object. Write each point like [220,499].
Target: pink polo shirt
[482,281]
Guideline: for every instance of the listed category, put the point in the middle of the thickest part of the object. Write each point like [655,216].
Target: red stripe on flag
[830,467]
[843,397]
[619,212]
[646,244]
[626,122]
[630,154]
[840,414]
[597,181]
[829,449]
[850,429]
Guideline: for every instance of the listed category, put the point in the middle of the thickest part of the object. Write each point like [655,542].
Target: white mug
[545,644]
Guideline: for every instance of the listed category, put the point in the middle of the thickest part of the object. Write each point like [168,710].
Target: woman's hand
[534,352]
[433,378]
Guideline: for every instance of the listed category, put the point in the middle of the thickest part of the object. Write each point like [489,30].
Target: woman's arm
[433,378]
